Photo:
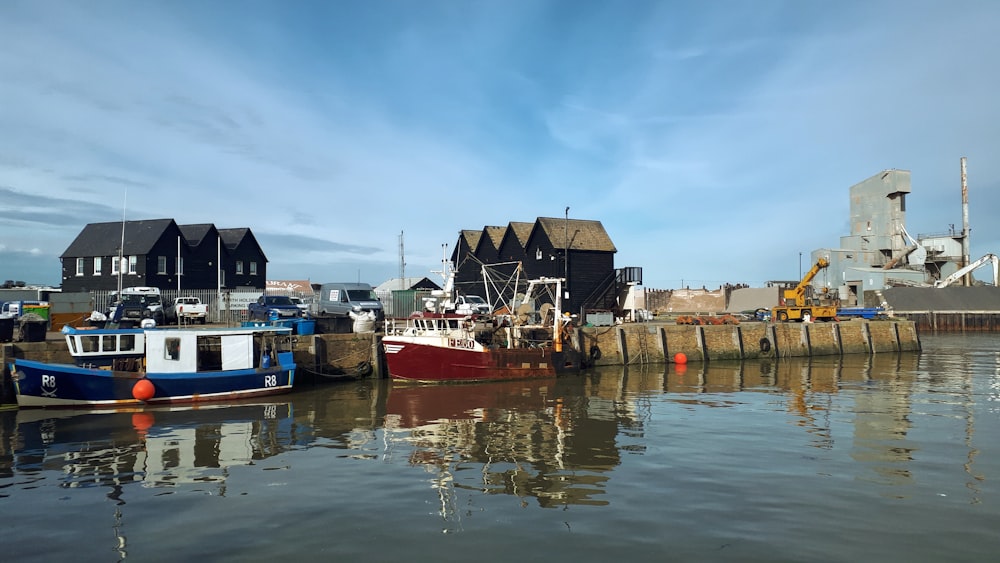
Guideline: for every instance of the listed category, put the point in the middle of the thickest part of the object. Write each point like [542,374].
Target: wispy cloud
[329,128]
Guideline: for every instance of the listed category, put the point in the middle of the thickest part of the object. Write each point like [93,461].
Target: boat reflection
[539,440]
[159,447]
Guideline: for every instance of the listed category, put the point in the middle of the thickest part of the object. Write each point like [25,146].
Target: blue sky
[714,140]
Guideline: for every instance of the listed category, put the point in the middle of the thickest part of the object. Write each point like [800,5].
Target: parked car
[280,305]
[188,308]
[301,304]
[136,304]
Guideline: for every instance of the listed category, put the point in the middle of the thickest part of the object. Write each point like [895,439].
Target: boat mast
[557,322]
[121,247]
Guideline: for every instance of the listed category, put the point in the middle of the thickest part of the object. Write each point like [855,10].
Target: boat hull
[416,361]
[38,384]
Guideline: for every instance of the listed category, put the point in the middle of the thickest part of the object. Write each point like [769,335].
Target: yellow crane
[799,302]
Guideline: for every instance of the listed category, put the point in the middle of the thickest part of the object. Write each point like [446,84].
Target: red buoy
[143,390]
[680,358]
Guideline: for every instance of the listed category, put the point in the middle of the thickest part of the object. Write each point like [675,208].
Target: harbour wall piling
[651,343]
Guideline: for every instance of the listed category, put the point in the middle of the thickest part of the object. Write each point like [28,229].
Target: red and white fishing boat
[440,344]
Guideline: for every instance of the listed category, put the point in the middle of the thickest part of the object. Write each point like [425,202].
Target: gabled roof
[583,235]
[233,238]
[521,230]
[516,235]
[494,235]
[395,284]
[194,234]
[471,239]
[103,239]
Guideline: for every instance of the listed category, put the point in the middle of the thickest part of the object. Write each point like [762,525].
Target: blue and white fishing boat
[136,366]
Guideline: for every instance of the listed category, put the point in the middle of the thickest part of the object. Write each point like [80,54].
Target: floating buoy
[680,358]
[143,390]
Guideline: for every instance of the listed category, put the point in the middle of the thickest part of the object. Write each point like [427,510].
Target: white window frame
[81,263]
[253,268]
[239,267]
[133,261]
[98,265]
[161,265]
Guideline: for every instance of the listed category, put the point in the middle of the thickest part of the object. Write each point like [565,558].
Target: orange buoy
[680,369]
[680,358]
[143,390]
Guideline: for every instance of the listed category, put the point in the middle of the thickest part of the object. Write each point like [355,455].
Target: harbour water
[892,457]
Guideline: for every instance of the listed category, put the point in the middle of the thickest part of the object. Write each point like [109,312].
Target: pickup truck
[190,309]
[280,305]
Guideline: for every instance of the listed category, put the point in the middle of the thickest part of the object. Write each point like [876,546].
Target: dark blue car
[273,307]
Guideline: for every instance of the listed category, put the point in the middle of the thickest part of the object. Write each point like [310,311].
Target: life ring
[595,353]
[765,345]
[363,369]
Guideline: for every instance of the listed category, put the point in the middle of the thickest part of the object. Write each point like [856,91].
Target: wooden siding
[590,264]
[200,265]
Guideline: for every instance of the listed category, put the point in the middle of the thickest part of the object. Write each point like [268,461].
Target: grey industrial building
[879,252]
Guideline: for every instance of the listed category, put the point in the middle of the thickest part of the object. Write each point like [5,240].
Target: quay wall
[656,343]
[683,339]
[854,337]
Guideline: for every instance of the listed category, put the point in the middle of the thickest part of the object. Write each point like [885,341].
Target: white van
[339,299]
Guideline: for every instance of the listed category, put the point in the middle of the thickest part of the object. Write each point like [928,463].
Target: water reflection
[157,447]
[552,443]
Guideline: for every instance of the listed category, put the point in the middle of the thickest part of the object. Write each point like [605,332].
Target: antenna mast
[402,263]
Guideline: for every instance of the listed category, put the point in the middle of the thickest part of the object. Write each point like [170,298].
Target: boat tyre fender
[765,345]
[363,369]
[595,353]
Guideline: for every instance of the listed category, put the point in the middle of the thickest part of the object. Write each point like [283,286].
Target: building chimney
[966,259]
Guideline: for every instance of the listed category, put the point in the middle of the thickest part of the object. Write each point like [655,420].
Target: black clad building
[157,252]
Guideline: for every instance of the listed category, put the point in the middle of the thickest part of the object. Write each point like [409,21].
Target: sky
[714,140]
